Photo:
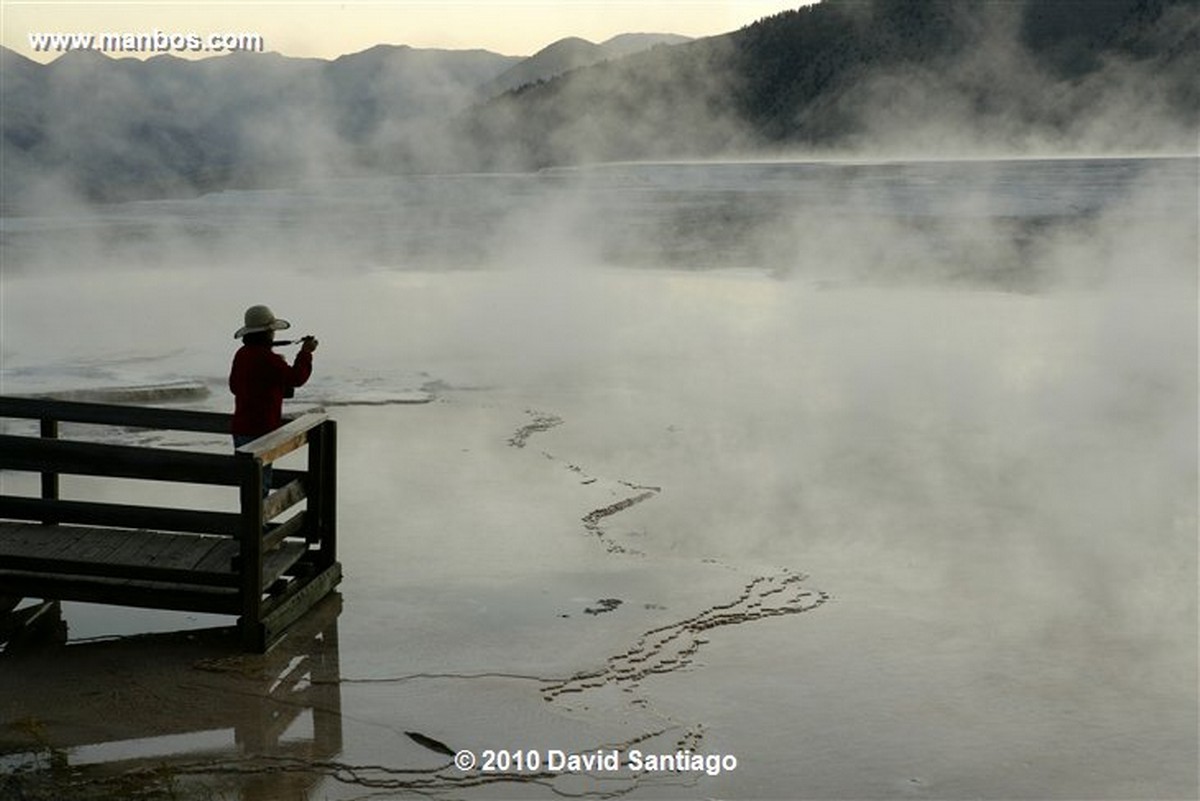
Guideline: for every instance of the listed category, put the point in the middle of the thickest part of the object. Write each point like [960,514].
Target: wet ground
[859,543]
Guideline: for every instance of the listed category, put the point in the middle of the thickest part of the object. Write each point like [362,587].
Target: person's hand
[309,344]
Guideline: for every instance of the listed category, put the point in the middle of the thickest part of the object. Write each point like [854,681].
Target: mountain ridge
[574,52]
[926,78]
[930,78]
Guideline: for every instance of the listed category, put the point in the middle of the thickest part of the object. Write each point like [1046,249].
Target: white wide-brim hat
[261,318]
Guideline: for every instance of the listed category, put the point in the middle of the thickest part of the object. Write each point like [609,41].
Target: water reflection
[170,715]
[32,625]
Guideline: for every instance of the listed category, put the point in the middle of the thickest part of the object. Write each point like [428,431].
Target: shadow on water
[173,715]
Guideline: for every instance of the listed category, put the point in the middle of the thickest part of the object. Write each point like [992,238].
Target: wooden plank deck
[140,557]
[267,563]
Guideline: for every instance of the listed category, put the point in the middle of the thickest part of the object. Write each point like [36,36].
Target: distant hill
[572,53]
[928,77]
[117,128]
[559,57]
[626,44]
[109,129]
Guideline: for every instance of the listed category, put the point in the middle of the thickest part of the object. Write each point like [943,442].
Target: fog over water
[975,341]
[969,382]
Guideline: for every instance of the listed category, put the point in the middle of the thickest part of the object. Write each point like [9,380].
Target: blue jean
[241,439]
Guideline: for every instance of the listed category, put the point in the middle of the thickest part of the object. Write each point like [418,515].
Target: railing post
[322,489]
[49,430]
[250,557]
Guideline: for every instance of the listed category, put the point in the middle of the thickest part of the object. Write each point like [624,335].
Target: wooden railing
[276,568]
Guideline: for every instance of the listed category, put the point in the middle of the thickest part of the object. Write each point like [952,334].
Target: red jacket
[259,381]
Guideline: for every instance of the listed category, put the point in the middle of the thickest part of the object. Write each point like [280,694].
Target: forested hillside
[928,77]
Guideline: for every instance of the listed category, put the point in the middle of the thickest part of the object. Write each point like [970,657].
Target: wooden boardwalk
[266,563]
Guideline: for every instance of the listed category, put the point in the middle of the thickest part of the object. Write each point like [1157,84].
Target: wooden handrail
[13,507]
[118,461]
[284,439]
[115,415]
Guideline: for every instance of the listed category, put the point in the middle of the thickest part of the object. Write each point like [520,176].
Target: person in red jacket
[260,378]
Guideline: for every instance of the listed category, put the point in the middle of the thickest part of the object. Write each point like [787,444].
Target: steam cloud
[970,384]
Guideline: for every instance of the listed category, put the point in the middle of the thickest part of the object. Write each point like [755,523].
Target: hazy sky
[329,29]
